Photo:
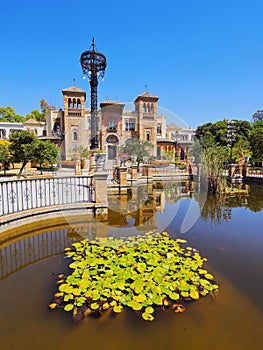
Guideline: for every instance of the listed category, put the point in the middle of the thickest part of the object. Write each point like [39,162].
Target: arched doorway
[112,142]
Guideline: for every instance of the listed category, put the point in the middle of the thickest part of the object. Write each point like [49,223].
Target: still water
[228,231]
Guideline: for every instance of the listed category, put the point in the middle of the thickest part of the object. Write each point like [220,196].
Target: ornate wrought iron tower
[93,65]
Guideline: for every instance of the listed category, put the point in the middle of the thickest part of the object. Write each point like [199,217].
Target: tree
[243,129]
[8,114]
[44,105]
[44,152]
[136,146]
[217,133]
[210,135]
[241,148]
[83,152]
[21,147]
[37,115]
[5,156]
[256,141]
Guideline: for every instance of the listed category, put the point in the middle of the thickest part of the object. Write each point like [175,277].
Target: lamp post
[59,137]
[93,65]
[231,136]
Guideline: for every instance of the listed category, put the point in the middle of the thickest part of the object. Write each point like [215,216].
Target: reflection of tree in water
[214,208]
[255,199]
[219,207]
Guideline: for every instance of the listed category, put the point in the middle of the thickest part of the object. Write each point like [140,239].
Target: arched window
[148,135]
[75,135]
[148,108]
[69,103]
[144,108]
[152,108]
[159,129]
[78,103]
[74,103]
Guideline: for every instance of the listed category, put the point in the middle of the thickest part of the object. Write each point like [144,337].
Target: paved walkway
[13,173]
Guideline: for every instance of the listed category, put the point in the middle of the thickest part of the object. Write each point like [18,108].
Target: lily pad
[143,273]
[69,307]
[147,316]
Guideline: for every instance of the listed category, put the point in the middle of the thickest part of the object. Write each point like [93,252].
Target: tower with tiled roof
[75,120]
[146,106]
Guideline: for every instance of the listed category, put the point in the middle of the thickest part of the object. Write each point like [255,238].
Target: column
[123,179]
[101,195]
[77,165]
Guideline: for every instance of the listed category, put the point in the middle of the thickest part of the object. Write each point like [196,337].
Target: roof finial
[145,87]
[93,45]
[74,82]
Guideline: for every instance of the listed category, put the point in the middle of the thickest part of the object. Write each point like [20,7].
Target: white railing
[26,194]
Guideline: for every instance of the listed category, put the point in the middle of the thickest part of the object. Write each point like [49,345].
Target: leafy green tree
[83,152]
[217,132]
[44,152]
[256,141]
[139,147]
[8,114]
[241,148]
[37,115]
[203,130]
[243,129]
[21,147]
[5,157]
[209,134]
[207,141]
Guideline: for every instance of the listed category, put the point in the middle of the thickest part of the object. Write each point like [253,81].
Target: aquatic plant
[144,273]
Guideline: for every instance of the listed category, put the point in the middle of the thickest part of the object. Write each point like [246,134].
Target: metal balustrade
[255,172]
[26,194]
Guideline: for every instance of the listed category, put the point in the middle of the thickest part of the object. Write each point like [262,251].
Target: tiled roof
[73,88]
[146,94]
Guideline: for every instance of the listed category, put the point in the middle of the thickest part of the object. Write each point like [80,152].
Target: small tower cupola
[74,101]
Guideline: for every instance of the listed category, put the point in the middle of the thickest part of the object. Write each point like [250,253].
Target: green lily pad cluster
[144,273]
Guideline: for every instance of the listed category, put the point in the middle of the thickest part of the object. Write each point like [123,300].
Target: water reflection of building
[137,208]
[171,192]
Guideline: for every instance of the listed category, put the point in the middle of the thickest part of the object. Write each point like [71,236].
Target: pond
[228,231]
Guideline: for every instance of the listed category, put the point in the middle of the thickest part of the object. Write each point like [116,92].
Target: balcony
[148,116]
[74,112]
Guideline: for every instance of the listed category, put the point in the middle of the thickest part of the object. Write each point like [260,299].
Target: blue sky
[204,59]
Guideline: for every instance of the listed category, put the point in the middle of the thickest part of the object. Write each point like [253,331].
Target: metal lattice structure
[93,65]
